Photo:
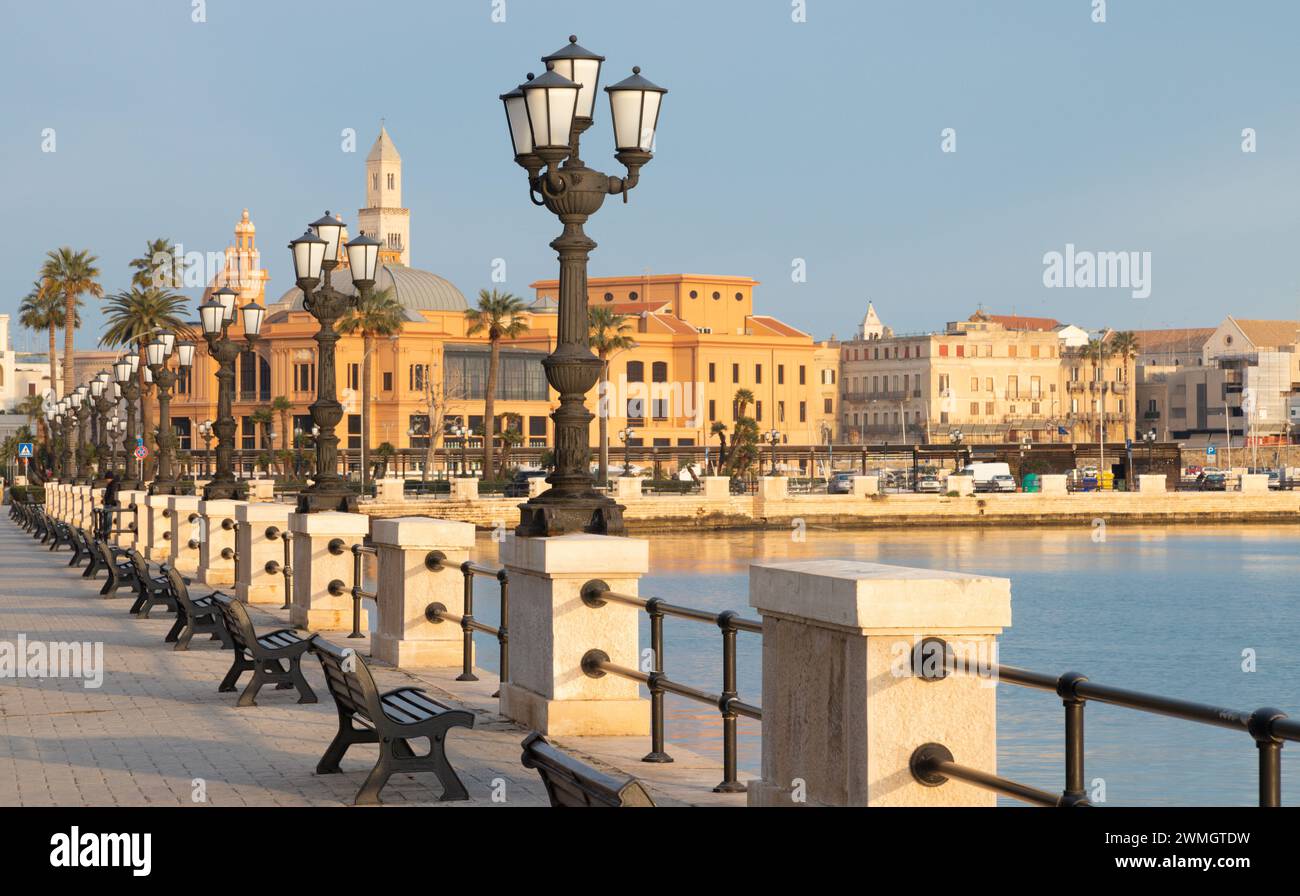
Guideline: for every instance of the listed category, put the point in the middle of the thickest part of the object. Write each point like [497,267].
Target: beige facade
[994,379]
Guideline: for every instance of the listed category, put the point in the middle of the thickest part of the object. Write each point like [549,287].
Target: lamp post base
[225,491]
[163,488]
[591,513]
[316,502]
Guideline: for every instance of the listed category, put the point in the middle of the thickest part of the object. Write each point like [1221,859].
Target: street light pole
[315,256]
[217,314]
[83,434]
[164,379]
[103,404]
[125,373]
[547,117]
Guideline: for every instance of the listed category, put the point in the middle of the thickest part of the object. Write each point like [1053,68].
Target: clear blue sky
[778,140]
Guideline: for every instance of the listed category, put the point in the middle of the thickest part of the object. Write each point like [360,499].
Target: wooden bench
[570,782]
[390,720]
[195,615]
[275,657]
[152,590]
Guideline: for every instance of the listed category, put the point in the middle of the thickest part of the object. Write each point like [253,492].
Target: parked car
[929,485]
[840,484]
[985,472]
[518,486]
[1002,483]
[1212,480]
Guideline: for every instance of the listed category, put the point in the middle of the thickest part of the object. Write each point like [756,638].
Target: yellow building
[697,342]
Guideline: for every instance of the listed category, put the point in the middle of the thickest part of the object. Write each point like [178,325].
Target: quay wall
[677,512]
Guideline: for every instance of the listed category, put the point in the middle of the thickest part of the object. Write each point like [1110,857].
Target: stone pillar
[1253,482]
[843,729]
[217,542]
[186,531]
[54,500]
[81,506]
[407,586]
[715,488]
[1052,484]
[464,488]
[773,488]
[157,528]
[626,488]
[315,567]
[1152,483]
[866,486]
[390,491]
[254,583]
[551,628]
[133,514]
[261,490]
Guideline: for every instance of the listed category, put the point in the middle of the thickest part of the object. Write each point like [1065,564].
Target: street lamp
[124,371]
[956,437]
[626,435]
[216,316]
[81,404]
[773,438]
[557,107]
[206,433]
[462,432]
[157,354]
[315,256]
[102,403]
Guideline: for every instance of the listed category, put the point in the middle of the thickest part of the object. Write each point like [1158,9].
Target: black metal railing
[934,659]
[336,587]
[596,663]
[286,568]
[437,613]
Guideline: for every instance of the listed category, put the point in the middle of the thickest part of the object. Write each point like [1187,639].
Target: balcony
[1075,386]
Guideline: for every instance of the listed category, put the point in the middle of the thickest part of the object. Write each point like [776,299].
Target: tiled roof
[1178,338]
[1019,322]
[775,326]
[1270,333]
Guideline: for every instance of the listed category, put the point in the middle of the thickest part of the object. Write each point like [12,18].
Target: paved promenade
[157,732]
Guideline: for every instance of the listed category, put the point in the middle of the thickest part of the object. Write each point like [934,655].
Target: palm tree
[264,418]
[43,309]
[501,316]
[380,314]
[744,398]
[283,406]
[512,435]
[33,408]
[132,317]
[1125,346]
[607,337]
[147,266]
[71,274]
[719,429]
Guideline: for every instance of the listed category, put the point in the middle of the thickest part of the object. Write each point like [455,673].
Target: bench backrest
[238,624]
[180,590]
[570,782]
[141,568]
[349,680]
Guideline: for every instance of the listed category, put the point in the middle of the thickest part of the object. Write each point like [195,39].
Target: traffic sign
[1210,451]
[141,452]
[25,449]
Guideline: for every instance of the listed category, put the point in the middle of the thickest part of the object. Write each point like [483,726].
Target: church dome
[414,289]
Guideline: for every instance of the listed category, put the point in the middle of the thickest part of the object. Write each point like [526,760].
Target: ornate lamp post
[81,404]
[164,378]
[773,439]
[315,256]
[206,433]
[124,372]
[67,463]
[546,117]
[626,435]
[217,315]
[102,402]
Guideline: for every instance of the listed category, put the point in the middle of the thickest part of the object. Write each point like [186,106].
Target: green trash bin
[1030,483]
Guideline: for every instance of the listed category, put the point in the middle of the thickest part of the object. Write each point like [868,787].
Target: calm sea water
[1164,610]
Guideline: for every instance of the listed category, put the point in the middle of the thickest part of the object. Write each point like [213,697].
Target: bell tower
[384,218]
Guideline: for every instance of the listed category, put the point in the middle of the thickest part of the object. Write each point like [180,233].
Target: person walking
[111,503]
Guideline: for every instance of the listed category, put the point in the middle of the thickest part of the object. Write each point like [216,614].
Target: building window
[974,408]
[419,377]
[713,378]
[735,373]
[354,376]
[636,406]
[988,408]
[780,412]
[392,181]
[659,374]
[354,432]
[828,405]
[304,377]
[961,351]
[780,374]
[248,434]
[183,382]
[758,373]
[388,381]
[713,411]
[418,429]
[803,375]
[758,411]
[182,427]
[803,412]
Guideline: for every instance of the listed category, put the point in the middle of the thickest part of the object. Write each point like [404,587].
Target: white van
[982,474]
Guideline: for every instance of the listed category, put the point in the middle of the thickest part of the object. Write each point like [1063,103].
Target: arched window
[636,396]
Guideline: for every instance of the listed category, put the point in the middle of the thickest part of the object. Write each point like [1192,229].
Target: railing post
[657,752]
[1270,755]
[216,570]
[841,730]
[408,582]
[1075,788]
[315,566]
[730,783]
[259,552]
[551,630]
[467,624]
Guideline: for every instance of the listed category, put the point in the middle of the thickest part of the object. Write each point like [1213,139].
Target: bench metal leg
[452,787]
[180,633]
[299,681]
[368,795]
[237,668]
[347,736]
